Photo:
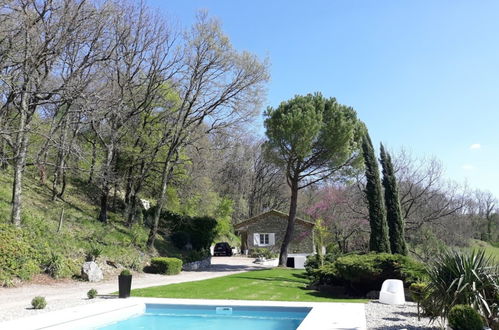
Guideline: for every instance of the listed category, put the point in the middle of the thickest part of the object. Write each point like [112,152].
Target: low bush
[363,273]
[92,293]
[17,257]
[125,272]
[464,317]
[312,264]
[263,253]
[167,266]
[417,294]
[39,302]
[59,266]
[93,253]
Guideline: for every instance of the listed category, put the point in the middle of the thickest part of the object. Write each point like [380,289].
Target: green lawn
[275,284]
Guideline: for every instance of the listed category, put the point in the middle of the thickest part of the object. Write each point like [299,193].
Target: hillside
[62,252]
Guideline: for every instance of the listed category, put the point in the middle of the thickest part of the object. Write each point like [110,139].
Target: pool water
[187,317]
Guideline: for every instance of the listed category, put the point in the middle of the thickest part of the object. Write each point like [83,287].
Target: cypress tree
[392,202]
[378,240]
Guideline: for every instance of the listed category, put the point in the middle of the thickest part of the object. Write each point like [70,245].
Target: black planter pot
[125,285]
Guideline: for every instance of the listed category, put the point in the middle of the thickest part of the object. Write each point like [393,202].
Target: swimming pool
[193,317]
[107,312]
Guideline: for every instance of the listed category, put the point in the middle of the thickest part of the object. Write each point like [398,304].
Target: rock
[91,272]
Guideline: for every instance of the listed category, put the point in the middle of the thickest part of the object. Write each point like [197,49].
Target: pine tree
[392,203]
[378,241]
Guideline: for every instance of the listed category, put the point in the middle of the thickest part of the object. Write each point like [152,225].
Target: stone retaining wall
[197,265]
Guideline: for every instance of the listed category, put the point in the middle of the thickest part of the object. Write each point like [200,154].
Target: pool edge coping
[323,316]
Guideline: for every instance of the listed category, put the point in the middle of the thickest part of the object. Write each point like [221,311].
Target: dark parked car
[222,249]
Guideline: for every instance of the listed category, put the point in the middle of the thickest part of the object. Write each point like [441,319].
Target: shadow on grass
[302,276]
[272,279]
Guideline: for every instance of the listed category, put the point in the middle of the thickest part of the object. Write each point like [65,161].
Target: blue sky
[422,75]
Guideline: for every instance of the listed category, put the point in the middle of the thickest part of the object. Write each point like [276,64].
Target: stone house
[267,230]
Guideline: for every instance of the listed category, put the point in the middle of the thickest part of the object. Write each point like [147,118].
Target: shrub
[58,266]
[125,272]
[167,266]
[417,294]
[464,317]
[92,293]
[39,302]
[93,253]
[312,265]
[263,252]
[17,257]
[458,278]
[364,273]
[203,231]
[196,255]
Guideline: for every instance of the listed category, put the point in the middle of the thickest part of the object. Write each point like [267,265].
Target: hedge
[363,273]
[167,266]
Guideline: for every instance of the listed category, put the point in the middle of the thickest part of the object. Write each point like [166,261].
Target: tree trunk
[61,156]
[161,202]
[19,162]
[92,164]
[61,219]
[283,256]
[106,185]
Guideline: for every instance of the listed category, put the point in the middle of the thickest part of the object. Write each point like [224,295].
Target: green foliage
[314,262]
[18,258]
[92,293]
[378,241]
[392,202]
[417,289]
[223,214]
[59,266]
[166,266]
[262,253]
[464,317]
[312,129]
[463,278]
[93,253]
[126,272]
[180,239]
[364,273]
[196,255]
[38,302]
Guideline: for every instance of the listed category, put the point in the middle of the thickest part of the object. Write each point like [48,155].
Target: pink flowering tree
[339,210]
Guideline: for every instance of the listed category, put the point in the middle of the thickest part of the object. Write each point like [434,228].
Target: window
[263,239]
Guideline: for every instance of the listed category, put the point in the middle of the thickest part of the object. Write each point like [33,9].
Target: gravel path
[16,302]
[396,317]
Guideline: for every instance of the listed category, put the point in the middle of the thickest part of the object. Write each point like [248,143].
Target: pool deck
[323,316]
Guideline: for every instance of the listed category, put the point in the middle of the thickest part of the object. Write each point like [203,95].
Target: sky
[423,75]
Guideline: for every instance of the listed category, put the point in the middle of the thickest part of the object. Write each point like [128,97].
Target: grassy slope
[489,249]
[80,230]
[276,284]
